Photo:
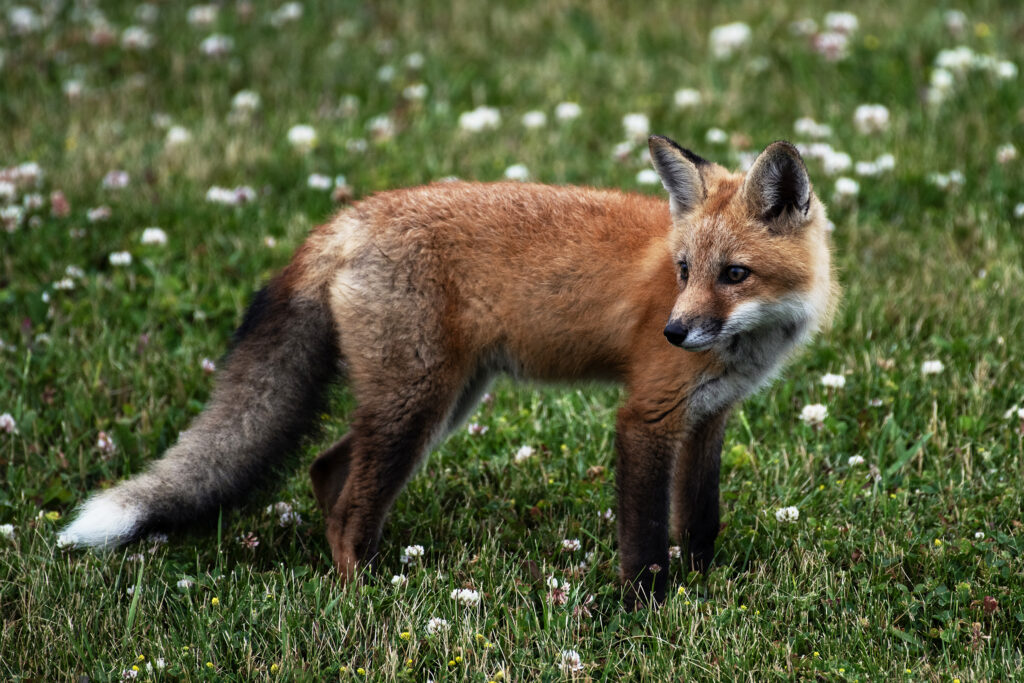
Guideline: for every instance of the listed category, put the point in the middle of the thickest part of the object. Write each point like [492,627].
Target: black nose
[676,332]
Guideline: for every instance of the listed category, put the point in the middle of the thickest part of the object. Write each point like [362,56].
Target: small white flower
[120,258]
[481,118]
[836,162]
[289,518]
[932,367]
[942,80]
[648,176]
[567,111]
[437,625]
[674,552]
[154,235]
[866,168]
[415,92]
[636,126]
[116,180]
[803,27]
[955,20]
[846,187]
[64,284]
[535,119]
[686,98]
[517,172]
[105,444]
[808,127]
[716,136]
[1006,153]
[855,460]
[302,137]
[814,414]
[399,580]
[608,515]
[208,366]
[245,101]
[467,596]
[202,15]
[833,381]
[186,583]
[979,535]
[7,530]
[386,73]
[319,181]
[177,136]
[73,88]
[279,508]
[1006,70]
[571,544]
[230,196]
[217,45]
[787,514]
[415,60]
[871,118]
[841,22]
[477,429]
[523,454]
[286,13]
[569,661]
[136,38]
[725,40]
[413,551]
[1018,210]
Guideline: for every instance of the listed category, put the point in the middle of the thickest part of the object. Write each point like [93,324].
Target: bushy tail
[265,399]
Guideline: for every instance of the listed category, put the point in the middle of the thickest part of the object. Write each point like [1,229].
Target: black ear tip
[784,147]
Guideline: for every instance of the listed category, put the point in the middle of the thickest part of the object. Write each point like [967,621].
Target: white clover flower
[381,127]
[399,580]
[279,508]
[957,60]
[177,136]
[245,101]
[437,625]
[136,38]
[941,80]
[517,172]
[319,181]
[11,217]
[286,13]
[841,22]
[716,136]
[64,284]
[208,366]
[23,20]
[955,20]
[230,196]
[979,535]
[833,381]
[120,258]
[186,583]
[871,118]
[467,596]
[1008,415]
[7,530]
[885,162]
[674,552]
[866,168]
[787,514]
[289,518]
[932,367]
[154,235]
[73,88]
[686,98]
[726,39]
[415,60]
[1006,70]
[855,460]
[415,92]
[846,187]
[477,429]
[202,15]
[217,45]
[648,176]
[622,150]
[535,119]
[302,137]
[413,551]
[636,125]
[1006,153]
[569,661]
[814,414]
[481,118]
[831,45]
[567,111]
[836,162]
[947,181]
[105,444]
[523,454]
[7,424]
[803,27]
[116,180]
[571,544]
[386,73]
[810,128]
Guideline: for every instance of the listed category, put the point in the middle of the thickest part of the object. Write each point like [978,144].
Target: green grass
[882,576]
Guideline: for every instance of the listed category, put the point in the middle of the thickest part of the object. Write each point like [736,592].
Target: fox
[419,297]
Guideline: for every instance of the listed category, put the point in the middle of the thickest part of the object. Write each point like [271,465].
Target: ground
[902,559]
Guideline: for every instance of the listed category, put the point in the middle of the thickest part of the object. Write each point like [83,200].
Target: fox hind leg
[330,471]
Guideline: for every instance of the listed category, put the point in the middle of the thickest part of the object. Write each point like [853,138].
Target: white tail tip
[102,523]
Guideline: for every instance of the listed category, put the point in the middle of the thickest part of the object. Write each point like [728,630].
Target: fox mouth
[696,348]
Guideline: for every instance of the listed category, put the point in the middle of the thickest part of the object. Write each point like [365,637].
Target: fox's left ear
[777,188]
[679,169]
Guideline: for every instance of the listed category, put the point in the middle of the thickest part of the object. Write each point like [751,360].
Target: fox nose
[676,332]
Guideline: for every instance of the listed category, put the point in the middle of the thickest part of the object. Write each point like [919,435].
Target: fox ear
[777,188]
[679,169]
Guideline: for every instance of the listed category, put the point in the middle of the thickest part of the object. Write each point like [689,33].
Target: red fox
[419,297]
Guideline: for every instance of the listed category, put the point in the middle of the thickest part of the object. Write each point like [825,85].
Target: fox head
[751,251]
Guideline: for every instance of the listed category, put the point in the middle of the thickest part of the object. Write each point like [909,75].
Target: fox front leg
[646,453]
[695,491]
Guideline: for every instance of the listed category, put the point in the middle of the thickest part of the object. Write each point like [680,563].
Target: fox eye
[684,270]
[733,275]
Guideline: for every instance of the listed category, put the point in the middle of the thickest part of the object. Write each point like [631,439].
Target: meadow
[159,162]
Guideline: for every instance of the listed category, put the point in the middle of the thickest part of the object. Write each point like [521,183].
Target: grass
[883,576]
